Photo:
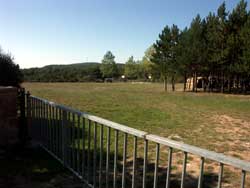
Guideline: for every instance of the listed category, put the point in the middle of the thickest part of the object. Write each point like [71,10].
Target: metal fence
[82,143]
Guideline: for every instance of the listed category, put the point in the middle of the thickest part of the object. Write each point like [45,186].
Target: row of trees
[216,48]
[132,69]
[93,71]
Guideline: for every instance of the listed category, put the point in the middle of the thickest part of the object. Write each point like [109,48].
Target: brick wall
[8,115]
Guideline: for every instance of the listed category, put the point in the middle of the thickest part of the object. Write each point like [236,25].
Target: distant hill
[78,72]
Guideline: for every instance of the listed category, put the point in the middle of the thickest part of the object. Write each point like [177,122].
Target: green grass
[147,107]
[188,117]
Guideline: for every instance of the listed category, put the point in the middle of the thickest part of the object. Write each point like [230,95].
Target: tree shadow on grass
[210,179]
[31,167]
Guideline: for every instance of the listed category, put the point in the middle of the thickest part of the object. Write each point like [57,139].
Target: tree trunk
[165,83]
[185,82]
[173,82]
[193,82]
[222,83]
[229,84]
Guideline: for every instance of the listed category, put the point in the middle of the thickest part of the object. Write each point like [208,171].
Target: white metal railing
[71,137]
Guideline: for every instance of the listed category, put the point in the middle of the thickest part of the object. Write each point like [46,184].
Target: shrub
[10,74]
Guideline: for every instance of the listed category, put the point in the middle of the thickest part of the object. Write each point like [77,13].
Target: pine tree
[198,49]
[236,21]
[162,55]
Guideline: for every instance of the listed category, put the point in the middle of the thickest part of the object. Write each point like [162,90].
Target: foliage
[215,48]
[131,70]
[10,74]
[64,73]
[108,66]
[165,55]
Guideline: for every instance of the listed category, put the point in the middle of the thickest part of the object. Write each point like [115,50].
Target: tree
[165,56]
[10,74]
[108,67]
[175,34]
[146,63]
[198,49]
[161,56]
[236,21]
[245,58]
[184,58]
[131,69]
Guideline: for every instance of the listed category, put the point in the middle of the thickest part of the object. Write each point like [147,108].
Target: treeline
[92,71]
[80,72]
[215,49]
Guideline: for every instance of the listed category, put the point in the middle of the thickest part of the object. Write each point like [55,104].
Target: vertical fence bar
[83,148]
[56,132]
[69,139]
[145,163]
[39,119]
[200,181]
[78,145]
[101,152]
[44,125]
[43,117]
[35,118]
[184,165]
[169,167]
[38,122]
[134,162]
[107,157]
[50,131]
[156,165]
[73,143]
[64,136]
[47,125]
[115,157]
[94,157]
[89,145]
[124,160]
[220,175]
[53,130]
[243,178]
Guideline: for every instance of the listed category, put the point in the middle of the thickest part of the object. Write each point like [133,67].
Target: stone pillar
[8,116]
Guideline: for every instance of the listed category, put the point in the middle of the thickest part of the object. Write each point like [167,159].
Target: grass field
[217,122]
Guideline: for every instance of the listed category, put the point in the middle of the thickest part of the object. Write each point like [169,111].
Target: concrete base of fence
[8,116]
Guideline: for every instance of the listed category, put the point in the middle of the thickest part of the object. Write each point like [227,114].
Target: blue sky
[42,32]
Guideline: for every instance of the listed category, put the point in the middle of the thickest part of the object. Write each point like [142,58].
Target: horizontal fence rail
[98,151]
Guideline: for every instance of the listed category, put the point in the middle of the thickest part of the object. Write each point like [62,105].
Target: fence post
[22,121]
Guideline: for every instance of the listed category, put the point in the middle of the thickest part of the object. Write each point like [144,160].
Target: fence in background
[82,143]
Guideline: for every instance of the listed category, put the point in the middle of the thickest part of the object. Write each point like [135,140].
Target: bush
[10,74]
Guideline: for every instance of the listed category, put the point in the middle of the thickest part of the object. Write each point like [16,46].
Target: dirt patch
[235,132]
[230,125]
